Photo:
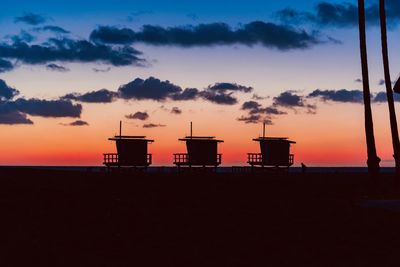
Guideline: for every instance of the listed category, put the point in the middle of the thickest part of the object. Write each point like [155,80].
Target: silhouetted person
[303,168]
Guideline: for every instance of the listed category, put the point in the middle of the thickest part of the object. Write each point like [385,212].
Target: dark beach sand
[55,218]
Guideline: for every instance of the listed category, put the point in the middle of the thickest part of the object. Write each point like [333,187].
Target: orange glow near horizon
[329,138]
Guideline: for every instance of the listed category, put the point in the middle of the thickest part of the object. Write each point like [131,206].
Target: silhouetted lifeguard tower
[201,151]
[131,151]
[275,152]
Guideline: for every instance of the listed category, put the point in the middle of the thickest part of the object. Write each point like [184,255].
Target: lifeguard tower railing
[131,152]
[112,160]
[183,159]
[256,159]
[201,151]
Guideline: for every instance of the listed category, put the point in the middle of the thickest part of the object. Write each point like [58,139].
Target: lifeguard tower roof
[260,139]
[201,138]
[130,137]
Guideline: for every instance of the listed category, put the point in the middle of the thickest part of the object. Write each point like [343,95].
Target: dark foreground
[51,218]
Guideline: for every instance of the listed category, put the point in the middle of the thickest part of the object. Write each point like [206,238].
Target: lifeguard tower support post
[275,152]
[201,151]
[131,151]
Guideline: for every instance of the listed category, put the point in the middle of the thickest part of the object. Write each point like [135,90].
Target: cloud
[349,96]
[151,88]
[257,97]
[281,37]
[250,119]
[51,28]
[219,98]
[381,97]
[5,65]
[157,90]
[152,125]
[55,67]
[253,119]
[47,108]
[224,87]
[138,116]
[23,36]
[256,113]
[76,123]
[187,94]
[358,80]
[176,111]
[102,70]
[31,19]
[343,95]
[10,116]
[7,92]
[69,50]
[340,14]
[100,96]
[251,105]
[291,100]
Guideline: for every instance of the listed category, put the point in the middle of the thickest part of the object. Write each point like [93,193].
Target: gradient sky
[330,134]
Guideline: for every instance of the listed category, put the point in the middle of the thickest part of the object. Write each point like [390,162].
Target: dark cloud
[69,50]
[100,96]
[51,28]
[157,90]
[55,67]
[340,14]
[9,115]
[176,111]
[343,95]
[255,118]
[138,116]
[23,36]
[102,70]
[358,80]
[382,82]
[255,110]
[5,65]
[151,88]
[224,87]
[31,19]
[257,97]
[290,99]
[251,105]
[187,94]
[76,123]
[381,97]
[152,125]
[273,111]
[47,108]
[219,98]
[112,35]
[6,91]
[271,35]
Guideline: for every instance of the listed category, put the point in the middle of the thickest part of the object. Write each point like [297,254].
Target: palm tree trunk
[389,91]
[373,160]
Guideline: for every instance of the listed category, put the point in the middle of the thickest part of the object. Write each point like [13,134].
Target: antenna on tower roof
[191,129]
[120,129]
[263,129]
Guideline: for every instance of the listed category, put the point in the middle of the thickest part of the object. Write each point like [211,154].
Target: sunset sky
[71,70]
